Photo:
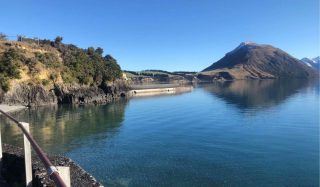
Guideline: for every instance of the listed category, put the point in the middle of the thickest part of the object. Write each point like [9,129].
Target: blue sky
[168,34]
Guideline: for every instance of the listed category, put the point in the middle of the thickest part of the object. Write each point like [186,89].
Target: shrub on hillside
[45,82]
[88,66]
[9,67]
[48,59]
[4,83]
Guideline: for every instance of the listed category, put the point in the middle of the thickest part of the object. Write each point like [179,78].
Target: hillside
[54,62]
[36,67]
[253,61]
[159,76]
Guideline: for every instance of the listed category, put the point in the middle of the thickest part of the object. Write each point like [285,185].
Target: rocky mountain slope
[254,61]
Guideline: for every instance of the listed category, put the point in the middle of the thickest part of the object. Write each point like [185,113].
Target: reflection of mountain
[256,94]
[53,126]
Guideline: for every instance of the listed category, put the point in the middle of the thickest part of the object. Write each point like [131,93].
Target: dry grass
[29,51]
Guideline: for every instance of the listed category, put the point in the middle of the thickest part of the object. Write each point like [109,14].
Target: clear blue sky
[168,34]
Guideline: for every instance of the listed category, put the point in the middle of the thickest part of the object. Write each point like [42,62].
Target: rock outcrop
[75,94]
[37,95]
[28,95]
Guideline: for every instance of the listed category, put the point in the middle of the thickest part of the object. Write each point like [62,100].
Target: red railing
[51,170]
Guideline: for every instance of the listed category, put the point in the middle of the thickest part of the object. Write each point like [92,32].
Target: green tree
[58,40]
[99,51]
[53,77]
[90,51]
[9,68]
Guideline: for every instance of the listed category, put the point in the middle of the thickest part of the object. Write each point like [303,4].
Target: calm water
[243,133]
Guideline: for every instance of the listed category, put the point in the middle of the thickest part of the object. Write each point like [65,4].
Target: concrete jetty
[159,91]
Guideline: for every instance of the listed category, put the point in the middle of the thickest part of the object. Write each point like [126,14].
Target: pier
[154,90]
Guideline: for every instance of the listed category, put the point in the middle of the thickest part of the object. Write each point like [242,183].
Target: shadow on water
[258,94]
[65,124]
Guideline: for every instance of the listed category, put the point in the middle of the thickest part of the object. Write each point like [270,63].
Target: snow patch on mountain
[312,62]
[242,44]
[316,60]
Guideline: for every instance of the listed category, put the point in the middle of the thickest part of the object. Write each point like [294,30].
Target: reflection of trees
[55,125]
[256,93]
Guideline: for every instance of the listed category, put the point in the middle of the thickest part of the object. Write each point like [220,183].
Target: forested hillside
[46,62]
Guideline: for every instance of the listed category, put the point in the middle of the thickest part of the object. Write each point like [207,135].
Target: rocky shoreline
[38,95]
[13,169]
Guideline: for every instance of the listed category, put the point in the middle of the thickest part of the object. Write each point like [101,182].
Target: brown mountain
[253,61]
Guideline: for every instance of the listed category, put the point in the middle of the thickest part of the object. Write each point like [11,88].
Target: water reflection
[258,94]
[65,125]
[195,139]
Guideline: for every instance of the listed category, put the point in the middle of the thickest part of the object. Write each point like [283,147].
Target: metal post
[51,170]
[27,156]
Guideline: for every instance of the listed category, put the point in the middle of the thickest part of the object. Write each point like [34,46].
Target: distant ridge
[314,62]
[255,61]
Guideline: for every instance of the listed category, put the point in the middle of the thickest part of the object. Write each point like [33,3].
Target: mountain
[255,61]
[314,62]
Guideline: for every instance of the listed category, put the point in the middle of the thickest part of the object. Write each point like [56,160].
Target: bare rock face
[75,94]
[37,95]
[28,95]
[116,88]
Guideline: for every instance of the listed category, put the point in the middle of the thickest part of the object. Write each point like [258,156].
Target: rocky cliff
[37,95]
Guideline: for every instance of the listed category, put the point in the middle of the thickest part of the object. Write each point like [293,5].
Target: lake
[241,133]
